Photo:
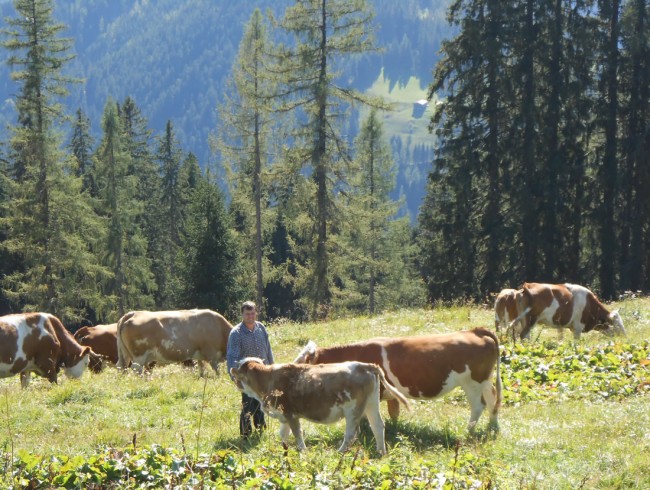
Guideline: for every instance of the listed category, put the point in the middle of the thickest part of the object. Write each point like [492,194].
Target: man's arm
[233,353]
[269,351]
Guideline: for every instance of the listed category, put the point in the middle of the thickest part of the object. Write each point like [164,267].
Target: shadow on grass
[239,444]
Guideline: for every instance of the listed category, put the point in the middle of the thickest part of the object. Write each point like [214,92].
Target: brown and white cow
[102,339]
[566,306]
[323,394]
[507,310]
[166,337]
[428,366]
[39,343]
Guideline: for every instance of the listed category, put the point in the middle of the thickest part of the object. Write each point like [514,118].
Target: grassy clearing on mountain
[574,415]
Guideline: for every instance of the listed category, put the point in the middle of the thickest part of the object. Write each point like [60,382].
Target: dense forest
[542,168]
[538,171]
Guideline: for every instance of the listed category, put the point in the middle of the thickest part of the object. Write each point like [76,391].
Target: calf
[39,343]
[428,366]
[566,306]
[322,394]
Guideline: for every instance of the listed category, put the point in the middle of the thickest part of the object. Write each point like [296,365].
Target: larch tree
[325,32]
[245,125]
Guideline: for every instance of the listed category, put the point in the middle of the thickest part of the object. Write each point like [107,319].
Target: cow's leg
[215,366]
[490,398]
[474,392]
[352,419]
[285,432]
[377,425]
[25,378]
[294,424]
[393,408]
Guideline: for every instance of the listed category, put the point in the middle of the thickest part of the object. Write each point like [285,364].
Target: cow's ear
[233,372]
[85,351]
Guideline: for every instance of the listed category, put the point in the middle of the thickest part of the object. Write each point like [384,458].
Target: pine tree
[245,126]
[325,31]
[50,226]
[131,284]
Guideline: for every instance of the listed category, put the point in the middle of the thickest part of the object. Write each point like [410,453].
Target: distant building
[419,107]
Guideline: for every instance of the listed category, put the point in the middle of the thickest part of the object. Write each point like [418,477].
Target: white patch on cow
[309,349]
[580,294]
[477,393]
[78,369]
[19,323]
[391,377]
[139,342]
[168,344]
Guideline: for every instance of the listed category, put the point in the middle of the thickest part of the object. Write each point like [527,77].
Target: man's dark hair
[247,305]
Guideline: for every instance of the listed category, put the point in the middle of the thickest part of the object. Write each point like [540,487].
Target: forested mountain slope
[174,56]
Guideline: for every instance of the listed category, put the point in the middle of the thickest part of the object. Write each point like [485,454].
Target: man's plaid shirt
[243,343]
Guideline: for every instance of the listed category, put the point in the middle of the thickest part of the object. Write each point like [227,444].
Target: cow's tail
[498,384]
[124,356]
[392,390]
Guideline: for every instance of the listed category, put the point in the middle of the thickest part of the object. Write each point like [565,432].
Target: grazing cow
[322,394]
[566,306]
[167,337]
[507,308]
[39,343]
[428,366]
[102,339]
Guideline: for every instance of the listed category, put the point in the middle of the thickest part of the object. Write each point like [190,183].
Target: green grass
[575,416]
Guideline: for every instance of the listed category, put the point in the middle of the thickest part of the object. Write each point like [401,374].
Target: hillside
[173,57]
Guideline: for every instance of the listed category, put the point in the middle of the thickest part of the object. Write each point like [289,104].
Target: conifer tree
[171,213]
[325,31]
[370,212]
[131,284]
[50,226]
[81,147]
[210,253]
[245,126]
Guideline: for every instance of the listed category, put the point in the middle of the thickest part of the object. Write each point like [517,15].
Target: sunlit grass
[551,443]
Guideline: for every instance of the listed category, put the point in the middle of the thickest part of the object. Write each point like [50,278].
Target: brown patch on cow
[8,343]
[595,315]
[102,339]
[19,365]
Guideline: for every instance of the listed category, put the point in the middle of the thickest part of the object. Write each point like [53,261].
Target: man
[249,339]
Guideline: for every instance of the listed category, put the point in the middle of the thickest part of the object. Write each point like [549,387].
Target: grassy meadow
[574,416]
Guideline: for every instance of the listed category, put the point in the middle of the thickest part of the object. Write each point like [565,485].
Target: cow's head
[241,375]
[307,354]
[96,362]
[79,364]
[617,323]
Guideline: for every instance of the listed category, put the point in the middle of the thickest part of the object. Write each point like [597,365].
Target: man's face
[249,316]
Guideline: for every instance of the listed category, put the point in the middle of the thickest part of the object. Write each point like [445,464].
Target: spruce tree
[171,213]
[50,226]
[81,147]
[210,254]
[131,284]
